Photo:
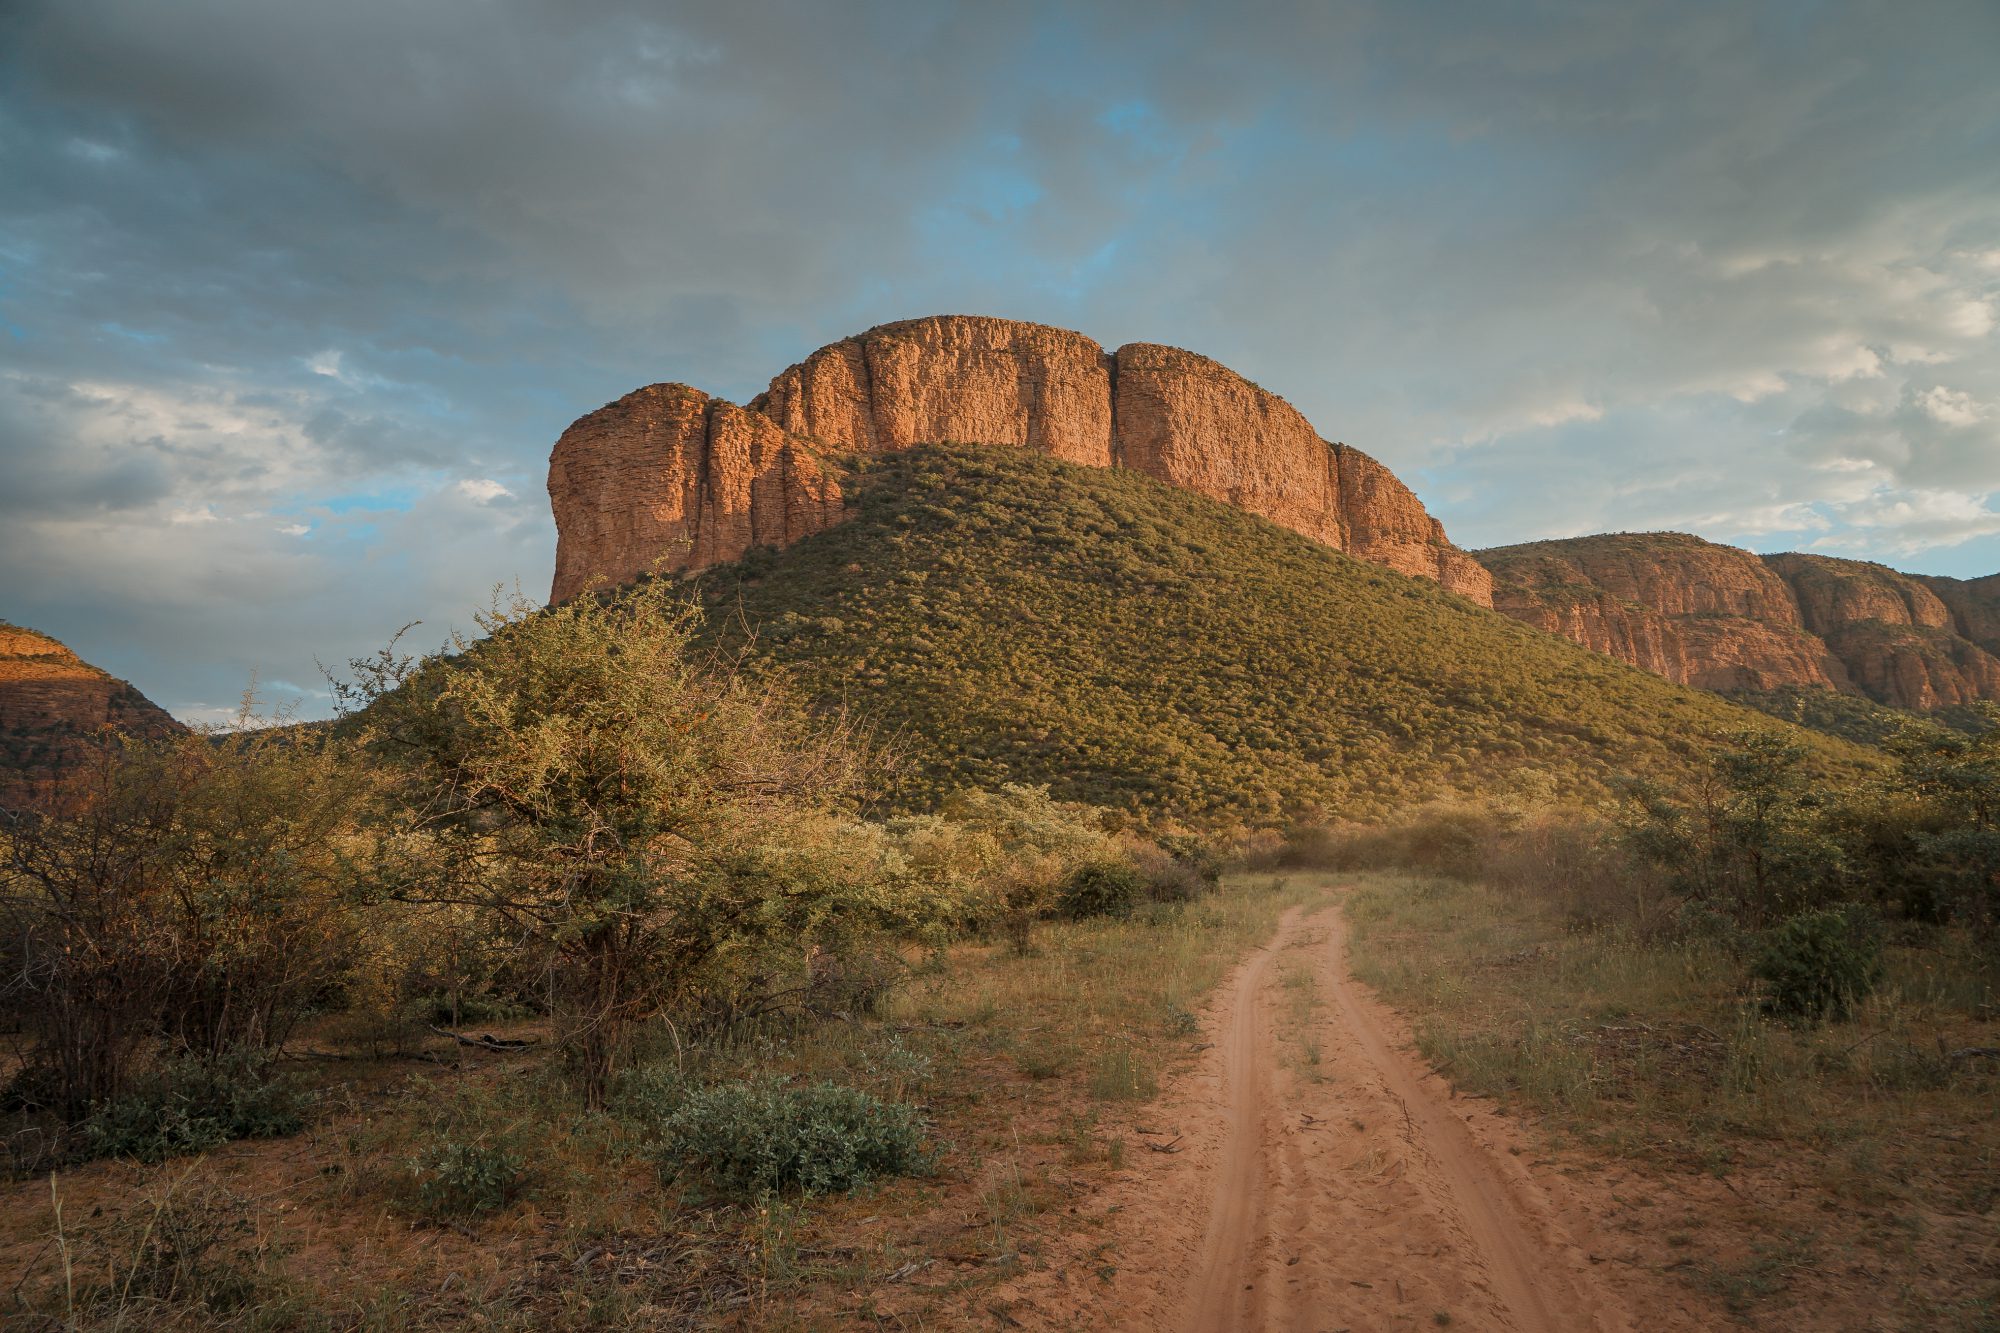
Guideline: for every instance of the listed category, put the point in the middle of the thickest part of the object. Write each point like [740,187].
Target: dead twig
[486,1042]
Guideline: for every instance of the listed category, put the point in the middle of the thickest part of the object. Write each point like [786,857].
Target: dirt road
[1322,1179]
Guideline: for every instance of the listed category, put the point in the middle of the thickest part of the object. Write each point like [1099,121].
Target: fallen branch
[488,1042]
[1973,1053]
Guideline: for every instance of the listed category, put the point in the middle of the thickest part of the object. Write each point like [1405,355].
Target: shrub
[189,892]
[1101,888]
[769,1136]
[190,1106]
[600,791]
[1259,849]
[1178,869]
[1818,964]
[650,1089]
[194,1248]
[1200,855]
[457,1178]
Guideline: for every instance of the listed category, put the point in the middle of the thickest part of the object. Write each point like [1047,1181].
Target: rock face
[668,478]
[1901,642]
[1720,617]
[52,703]
[1689,610]
[1975,607]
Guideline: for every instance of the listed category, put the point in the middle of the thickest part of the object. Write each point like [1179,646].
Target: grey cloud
[1568,266]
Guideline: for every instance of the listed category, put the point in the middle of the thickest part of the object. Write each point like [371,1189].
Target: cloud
[1908,522]
[333,278]
[483,489]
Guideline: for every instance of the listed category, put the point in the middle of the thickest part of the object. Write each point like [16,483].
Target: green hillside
[1852,717]
[999,616]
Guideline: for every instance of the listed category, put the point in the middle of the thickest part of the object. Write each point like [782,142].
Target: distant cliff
[668,477]
[52,703]
[1711,615]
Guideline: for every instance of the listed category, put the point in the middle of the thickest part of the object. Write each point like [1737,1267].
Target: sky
[295,297]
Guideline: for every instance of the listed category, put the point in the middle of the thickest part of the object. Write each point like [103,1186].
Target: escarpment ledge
[667,478]
[1705,614]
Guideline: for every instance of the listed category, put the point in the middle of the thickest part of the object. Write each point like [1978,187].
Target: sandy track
[1326,1180]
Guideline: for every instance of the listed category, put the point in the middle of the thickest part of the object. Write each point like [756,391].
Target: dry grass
[1830,1171]
[1030,1065]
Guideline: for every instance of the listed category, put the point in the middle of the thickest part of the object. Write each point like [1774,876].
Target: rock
[52,705]
[1716,616]
[1900,641]
[624,481]
[1833,593]
[668,477]
[962,378]
[1974,606]
[1693,611]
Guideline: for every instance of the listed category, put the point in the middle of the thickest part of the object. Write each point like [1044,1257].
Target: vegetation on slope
[1005,617]
[1851,716]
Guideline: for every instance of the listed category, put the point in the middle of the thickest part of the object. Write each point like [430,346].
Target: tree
[1955,780]
[621,809]
[1743,832]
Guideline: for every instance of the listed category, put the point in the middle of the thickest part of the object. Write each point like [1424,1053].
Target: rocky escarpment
[1717,616]
[667,478]
[1901,642]
[1974,606]
[52,704]
[1690,610]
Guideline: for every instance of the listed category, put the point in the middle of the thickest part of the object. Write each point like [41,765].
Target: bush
[195,1248]
[190,1106]
[188,894]
[1311,847]
[1200,855]
[650,1092]
[625,808]
[1818,964]
[1178,869]
[768,1136]
[1101,888]
[455,1178]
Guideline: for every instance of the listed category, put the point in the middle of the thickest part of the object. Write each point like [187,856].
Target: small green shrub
[1818,964]
[456,1178]
[650,1092]
[190,1106]
[1101,888]
[769,1136]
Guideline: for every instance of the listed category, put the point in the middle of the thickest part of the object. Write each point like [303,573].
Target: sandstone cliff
[1974,605]
[1690,610]
[51,704]
[1720,617]
[668,478]
[1901,643]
